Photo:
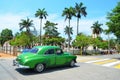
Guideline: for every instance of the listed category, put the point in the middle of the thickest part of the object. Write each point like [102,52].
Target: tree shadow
[117,58]
[28,72]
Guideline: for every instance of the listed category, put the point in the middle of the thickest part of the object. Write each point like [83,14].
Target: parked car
[41,57]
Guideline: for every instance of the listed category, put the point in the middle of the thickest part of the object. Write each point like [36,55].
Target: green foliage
[82,41]
[80,10]
[118,47]
[69,32]
[95,41]
[68,13]
[114,26]
[112,43]
[114,21]
[53,40]
[96,28]
[16,34]
[51,36]
[26,24]
[23,39]
[41,13]
[50,29]
[103,45]
[6,35]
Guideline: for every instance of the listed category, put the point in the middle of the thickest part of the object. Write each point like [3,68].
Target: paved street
[85,69]
[112,61]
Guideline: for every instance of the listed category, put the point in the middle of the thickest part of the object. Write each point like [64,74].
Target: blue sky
[12,11]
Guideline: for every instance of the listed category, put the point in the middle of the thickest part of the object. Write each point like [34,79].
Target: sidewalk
[4,55]
[79,57]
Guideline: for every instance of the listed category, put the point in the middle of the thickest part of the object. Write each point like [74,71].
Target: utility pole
[108,43]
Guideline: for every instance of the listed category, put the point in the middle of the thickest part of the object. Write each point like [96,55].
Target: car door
[50,57]
[60,57]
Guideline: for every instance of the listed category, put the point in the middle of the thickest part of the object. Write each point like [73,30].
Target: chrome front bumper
[15,63]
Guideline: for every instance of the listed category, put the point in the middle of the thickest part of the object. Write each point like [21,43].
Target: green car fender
[34,61]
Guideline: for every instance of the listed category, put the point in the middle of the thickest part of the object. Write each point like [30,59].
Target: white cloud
[11,21]
[84,25]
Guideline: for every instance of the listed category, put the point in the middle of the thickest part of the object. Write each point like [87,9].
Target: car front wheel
[72,63]
[40,67]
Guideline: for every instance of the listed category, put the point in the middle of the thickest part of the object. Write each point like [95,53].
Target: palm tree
[26,24]
[50,29]
[80,10]
[68,30]
[68,13]
[41,13]
[97,30]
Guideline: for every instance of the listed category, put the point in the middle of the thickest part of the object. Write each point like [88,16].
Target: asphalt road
[81,71]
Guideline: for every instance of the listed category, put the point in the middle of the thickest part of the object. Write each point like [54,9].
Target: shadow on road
[49,70]
[117,58]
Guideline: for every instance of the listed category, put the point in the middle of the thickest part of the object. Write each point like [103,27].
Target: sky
[12,11]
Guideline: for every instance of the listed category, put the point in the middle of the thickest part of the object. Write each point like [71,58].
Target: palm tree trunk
[40,31]
[77,26]
[108,44]
[69,37]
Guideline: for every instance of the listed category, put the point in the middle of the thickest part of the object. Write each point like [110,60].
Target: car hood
[67,53]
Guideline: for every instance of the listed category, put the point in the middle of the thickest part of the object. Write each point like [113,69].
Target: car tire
[72,63]
[40,67]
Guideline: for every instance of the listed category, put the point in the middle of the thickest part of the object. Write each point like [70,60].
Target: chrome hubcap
[40,67]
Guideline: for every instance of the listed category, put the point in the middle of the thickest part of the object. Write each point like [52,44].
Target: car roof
[47,47]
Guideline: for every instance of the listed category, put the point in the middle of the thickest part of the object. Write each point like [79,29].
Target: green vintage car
[41,57]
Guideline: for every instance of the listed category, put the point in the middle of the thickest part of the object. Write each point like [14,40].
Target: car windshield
[33,50]
[25,50]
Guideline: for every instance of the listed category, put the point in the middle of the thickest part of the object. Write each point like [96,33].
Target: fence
[10,50]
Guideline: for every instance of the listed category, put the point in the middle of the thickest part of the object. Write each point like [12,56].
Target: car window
[50,51]
[25,50]
[33,50]
[59,51]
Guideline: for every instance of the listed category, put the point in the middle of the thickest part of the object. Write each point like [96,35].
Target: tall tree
[82,41]
[68,30]
[26,24]
[68,13]
[80,10]
[41,13]
[97,30]
[50,29]
[51,36]
[114,21]
[6,35]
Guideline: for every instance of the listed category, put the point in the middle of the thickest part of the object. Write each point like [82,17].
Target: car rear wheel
[72,63]
[40,67]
